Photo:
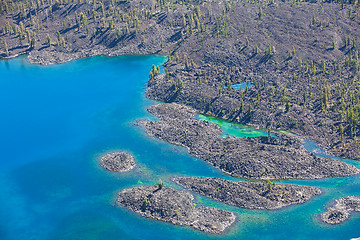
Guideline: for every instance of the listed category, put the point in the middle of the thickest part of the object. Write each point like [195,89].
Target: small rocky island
[176,207]
[283,157]
[250,195]
[341,210]
[118,162]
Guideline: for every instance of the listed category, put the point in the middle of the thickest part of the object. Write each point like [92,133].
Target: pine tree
[48,41]
[341,130]
[287,105]
[260,13]
[6,49]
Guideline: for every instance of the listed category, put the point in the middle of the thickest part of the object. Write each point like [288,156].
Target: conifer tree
[48,41]
[6,49]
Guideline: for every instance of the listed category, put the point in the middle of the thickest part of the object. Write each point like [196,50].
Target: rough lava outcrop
[118,162]
[341,210]
[250,195]
[176,207]
[283,157]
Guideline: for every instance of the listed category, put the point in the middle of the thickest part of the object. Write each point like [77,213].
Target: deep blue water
[55,123]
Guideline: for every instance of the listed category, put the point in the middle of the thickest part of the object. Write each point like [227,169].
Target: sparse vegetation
[160,184]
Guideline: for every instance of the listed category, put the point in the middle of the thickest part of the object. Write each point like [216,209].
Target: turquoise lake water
[242,86]
[56,121]
[235,130]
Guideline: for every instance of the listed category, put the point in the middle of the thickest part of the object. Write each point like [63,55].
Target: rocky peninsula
[341,210]
[118,162]
[176,207]
[249,195]
[283,157]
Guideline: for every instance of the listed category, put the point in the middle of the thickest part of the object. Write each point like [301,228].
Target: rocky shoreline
[176,207]
[249,195]
[254,157]
[118,162]
[56,57]
[341,210]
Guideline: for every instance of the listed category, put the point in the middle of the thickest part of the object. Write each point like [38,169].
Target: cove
[58,120]
[235,129]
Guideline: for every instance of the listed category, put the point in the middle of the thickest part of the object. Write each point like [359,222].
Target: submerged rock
[118,162]
[284,157]
[250,195]
[176,207]
[341,210]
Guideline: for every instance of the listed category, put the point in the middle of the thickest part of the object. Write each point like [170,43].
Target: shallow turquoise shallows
[234,129]
[242,86]
[56,121]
